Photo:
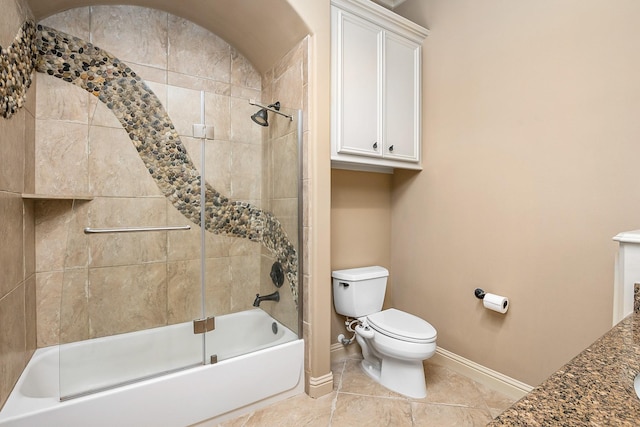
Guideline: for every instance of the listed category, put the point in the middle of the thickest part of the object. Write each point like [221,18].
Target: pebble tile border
[16,65]
[149,127]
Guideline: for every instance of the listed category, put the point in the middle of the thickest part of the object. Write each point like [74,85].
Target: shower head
[261,116]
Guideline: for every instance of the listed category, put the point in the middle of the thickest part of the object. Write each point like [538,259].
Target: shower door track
[129,382]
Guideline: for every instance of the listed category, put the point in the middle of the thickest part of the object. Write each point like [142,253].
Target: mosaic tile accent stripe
[16,65]
[150,129]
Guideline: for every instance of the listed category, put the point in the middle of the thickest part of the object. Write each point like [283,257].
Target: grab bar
[90,230]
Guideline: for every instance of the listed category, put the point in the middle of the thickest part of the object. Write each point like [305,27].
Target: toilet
[394,343]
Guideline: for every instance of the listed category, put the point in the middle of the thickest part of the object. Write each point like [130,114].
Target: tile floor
[357,401]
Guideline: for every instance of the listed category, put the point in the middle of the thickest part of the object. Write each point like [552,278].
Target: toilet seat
[402,326]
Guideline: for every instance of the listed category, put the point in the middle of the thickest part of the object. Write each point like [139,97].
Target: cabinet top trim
[384,17]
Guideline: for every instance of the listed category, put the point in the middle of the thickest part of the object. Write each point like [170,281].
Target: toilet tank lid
[361,273]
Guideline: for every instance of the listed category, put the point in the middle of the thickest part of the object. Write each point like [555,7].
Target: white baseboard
[488,377]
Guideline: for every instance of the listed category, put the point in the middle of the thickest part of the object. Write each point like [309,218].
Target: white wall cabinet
[376,88]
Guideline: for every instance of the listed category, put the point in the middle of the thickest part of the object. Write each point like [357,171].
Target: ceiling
[262,30]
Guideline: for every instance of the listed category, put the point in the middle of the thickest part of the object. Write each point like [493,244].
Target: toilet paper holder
[479,293]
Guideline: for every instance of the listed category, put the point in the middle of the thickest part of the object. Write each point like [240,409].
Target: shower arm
[273,110]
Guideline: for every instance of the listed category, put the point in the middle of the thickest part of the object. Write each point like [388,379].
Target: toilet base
[402,376]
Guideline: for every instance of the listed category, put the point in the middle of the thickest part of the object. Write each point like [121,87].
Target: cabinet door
[402,99]
[358,97]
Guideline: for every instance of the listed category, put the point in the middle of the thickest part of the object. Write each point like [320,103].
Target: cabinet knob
[391,148]
[375,145]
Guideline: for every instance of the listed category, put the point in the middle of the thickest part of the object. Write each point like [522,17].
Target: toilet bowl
[394,343]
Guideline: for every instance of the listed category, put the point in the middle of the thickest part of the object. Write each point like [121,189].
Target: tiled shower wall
[285,82]
[17,271]
[118,283]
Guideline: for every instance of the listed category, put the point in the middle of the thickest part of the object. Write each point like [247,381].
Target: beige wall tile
[284,310]
[61,157]
[149,74]
[186,245]
[219,286]
[12,152]
[127,248]
[245,281]
[286,210]
[246,172]
[197,52]
[115,168]
[183,107]
[13,16]
[29,175]
[184,293]
[74,314]
[59,100]
[243,74]
[73,21]
[246,247]
[12,247]
[198,83]
[51,231]
[101,115]
[30,309]
[217,114]
[60,241]
[13,355]
[113,29]
[127,298]
[285,170]
[48,298]
[218,171]
[242,127]
[29,238]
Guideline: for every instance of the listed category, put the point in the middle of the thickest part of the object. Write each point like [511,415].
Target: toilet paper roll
[496,303]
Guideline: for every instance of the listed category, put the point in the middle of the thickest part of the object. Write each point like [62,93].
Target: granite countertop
[593,389]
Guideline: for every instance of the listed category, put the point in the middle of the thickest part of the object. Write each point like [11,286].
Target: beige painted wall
[360,227]
[530,168]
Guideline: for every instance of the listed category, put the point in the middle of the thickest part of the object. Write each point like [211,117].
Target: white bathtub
[204,394]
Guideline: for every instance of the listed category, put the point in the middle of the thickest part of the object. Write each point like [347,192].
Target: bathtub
[203,395]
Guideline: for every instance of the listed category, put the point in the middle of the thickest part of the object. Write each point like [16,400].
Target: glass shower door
[253,234]
[131,288]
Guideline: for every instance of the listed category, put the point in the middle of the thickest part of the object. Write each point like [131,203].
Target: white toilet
[394,343]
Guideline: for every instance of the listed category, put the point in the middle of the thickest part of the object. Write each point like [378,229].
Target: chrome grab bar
[90,230]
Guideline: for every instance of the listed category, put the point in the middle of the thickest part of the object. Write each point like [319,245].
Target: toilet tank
[360,291]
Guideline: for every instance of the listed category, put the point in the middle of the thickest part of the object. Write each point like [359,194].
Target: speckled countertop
[593,389]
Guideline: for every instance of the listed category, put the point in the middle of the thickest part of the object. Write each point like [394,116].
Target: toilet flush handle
[364,331]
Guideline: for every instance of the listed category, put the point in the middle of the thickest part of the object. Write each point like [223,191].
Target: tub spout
[271,297]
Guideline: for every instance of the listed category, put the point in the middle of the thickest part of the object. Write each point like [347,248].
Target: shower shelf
[56,197]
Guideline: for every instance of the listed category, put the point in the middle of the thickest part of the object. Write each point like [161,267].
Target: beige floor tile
[427,414]
[448,387]
[354,380]
[358,401]
[495,401]
[236,422]
[297,411]
[363,411]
